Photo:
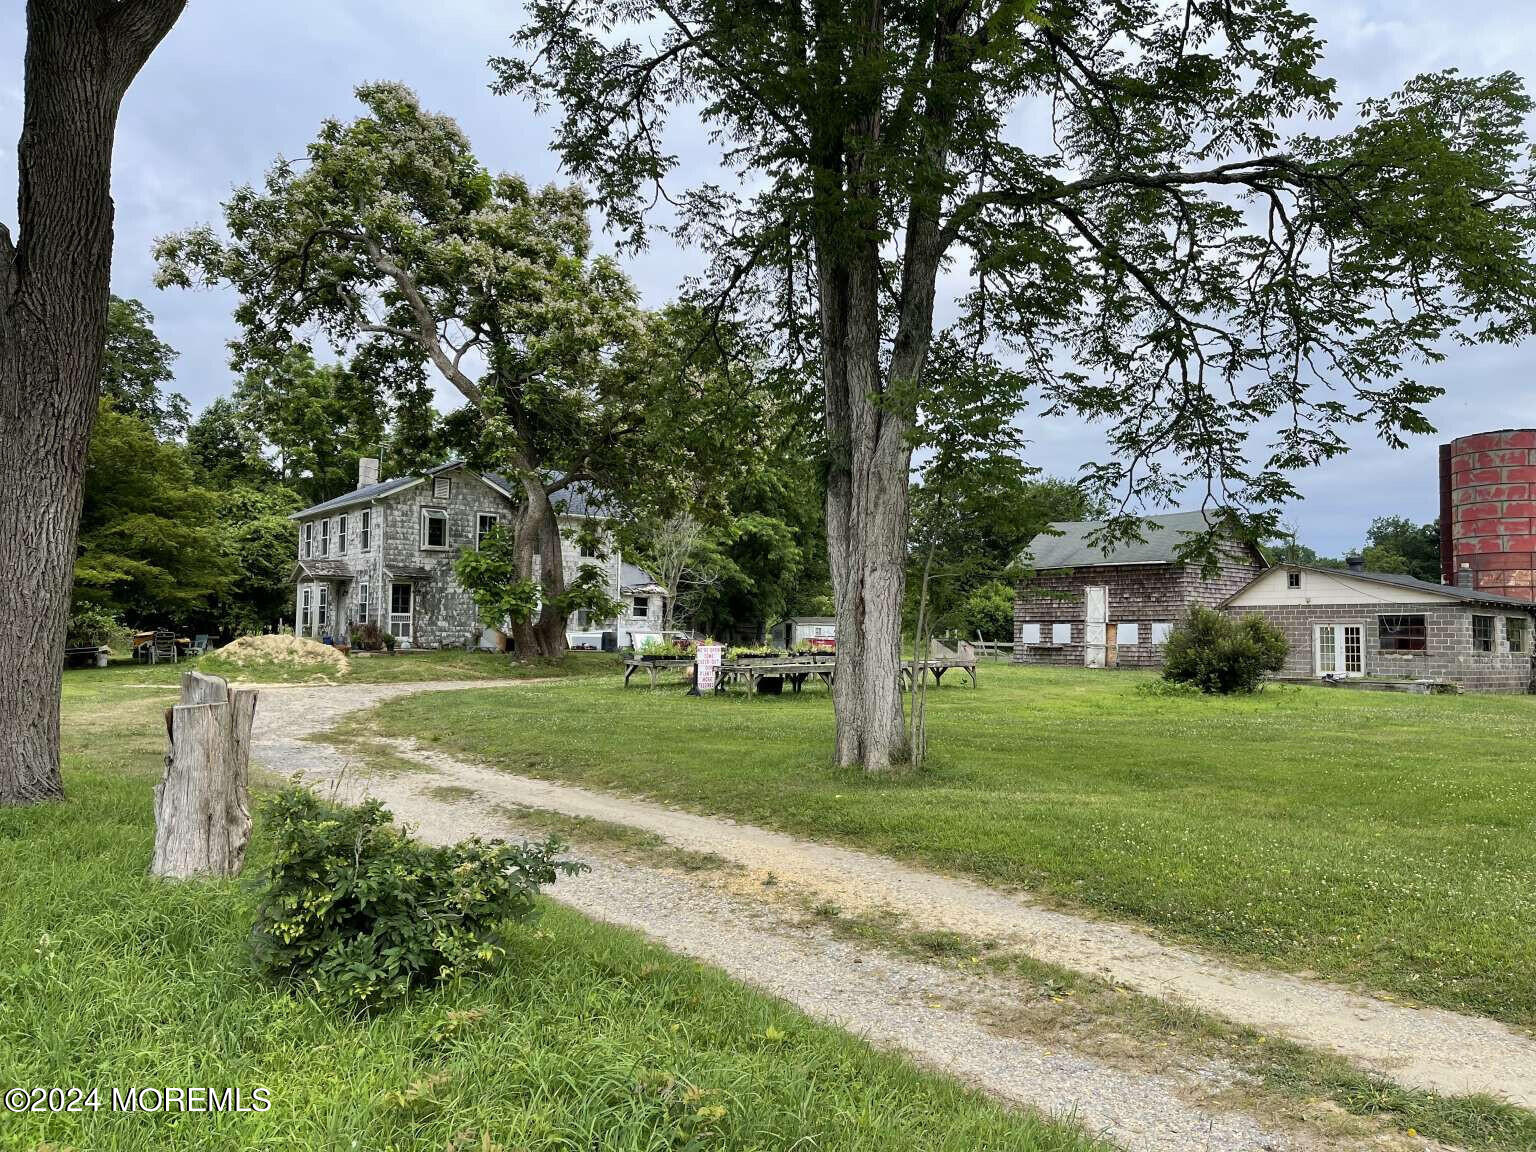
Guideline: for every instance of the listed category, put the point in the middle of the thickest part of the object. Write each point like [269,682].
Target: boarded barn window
[1061,633]
[1029,633]
[1128,633]
[1161,630]
[1402,633]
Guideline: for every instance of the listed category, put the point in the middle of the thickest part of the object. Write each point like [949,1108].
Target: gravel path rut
[898,1002]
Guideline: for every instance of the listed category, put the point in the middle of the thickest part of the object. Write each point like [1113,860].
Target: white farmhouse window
[1061,633]
[305,615]
[434,528]
[323,602]
[1161,630]
[1293,579]
[642,605]
[442,487]
[325,537]
[365,530]
[309,540]
[1128,633]
[1029,633]
[341,534]
[360,602]
[484,522]
[590,551]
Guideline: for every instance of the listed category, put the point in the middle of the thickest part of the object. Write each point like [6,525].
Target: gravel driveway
[929,1012]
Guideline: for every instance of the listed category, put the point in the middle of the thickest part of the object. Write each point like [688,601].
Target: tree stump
[202,811]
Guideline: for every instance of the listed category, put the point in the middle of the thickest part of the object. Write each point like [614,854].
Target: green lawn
[366,668]
[1384,839]
[586,1037]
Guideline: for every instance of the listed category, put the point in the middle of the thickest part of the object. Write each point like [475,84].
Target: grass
[365,668]
[587,1037]
[1377,838]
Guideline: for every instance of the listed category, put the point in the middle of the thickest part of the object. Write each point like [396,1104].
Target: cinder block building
[1353,624]
[1084,607]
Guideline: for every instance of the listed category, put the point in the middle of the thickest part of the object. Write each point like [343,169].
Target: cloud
[235,85]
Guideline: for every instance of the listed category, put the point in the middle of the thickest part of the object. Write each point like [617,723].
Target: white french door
[1338,649]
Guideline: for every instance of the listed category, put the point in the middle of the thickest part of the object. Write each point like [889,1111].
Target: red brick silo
[1488,512]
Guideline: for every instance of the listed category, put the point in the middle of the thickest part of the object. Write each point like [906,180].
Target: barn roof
[1068,543]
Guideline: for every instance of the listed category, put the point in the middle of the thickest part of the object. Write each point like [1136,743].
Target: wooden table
[653,668]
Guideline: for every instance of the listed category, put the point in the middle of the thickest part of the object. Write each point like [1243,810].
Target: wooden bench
[653,667]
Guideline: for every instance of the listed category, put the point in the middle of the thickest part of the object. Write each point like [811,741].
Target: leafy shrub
[989,611]
[1220,655]
[368,637]
[364,912]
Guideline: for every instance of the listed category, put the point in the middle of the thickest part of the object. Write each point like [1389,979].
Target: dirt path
[1424,1048]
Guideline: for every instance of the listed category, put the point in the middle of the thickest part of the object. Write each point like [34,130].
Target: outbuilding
[1347,623]
[1081,606]
[816,631]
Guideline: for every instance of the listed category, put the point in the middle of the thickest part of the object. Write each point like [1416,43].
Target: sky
[235,85]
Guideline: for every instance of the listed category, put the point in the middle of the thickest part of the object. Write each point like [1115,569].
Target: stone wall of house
[1143,594]
[1448,651]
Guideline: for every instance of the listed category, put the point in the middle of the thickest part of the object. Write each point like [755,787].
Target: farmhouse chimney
[367,471]
[1464,576]
[1355,563]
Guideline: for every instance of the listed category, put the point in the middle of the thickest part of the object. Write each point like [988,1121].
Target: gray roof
[1413,583]
[634,576]
[1073,549]
[383,488]
[317,569]
[576,500]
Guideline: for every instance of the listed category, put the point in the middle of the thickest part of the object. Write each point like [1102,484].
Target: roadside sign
[706,666]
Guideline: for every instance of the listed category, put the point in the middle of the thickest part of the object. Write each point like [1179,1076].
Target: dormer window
[442,487]
[434,528]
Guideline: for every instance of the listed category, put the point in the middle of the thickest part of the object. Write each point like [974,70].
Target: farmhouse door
[1338,649]
[1095,624]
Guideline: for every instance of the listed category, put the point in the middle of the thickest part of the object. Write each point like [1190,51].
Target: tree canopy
[1176,252]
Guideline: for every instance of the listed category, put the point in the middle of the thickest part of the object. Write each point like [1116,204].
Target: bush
[989,611]
[364,912]
[368,637]
[1217,654]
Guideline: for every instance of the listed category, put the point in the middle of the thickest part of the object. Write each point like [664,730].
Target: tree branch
[133,29]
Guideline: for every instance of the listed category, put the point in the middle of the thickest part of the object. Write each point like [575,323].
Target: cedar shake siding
[1148,591]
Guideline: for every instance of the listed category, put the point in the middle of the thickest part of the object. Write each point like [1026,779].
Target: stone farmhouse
[1350,623]
[384,552]
[1085,608]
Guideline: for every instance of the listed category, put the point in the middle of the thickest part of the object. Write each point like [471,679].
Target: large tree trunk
[202,806]
[538,534]
[54,283]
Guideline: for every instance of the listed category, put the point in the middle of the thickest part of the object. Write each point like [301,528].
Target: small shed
[817,631]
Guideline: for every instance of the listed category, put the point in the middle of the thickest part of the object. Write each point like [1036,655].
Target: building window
[589,550]
[341,534]
[442,487]
[1061,633]
[365,530]
[361,602]
[1401,633]
[484,522]
[325,537]
[1293,579]
[1127,634]
[583,620]
[323,601]
[309,540]
[1029,633]
[642,605]
[304,609]
[1482,633]
[400,611]
[1515,628]
[1161,630]
[434,528]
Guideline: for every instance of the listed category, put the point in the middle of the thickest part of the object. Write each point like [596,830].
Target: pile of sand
[295,650]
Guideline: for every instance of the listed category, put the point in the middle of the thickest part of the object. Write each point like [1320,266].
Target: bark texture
[54,281]
[202,806]
[538,536]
